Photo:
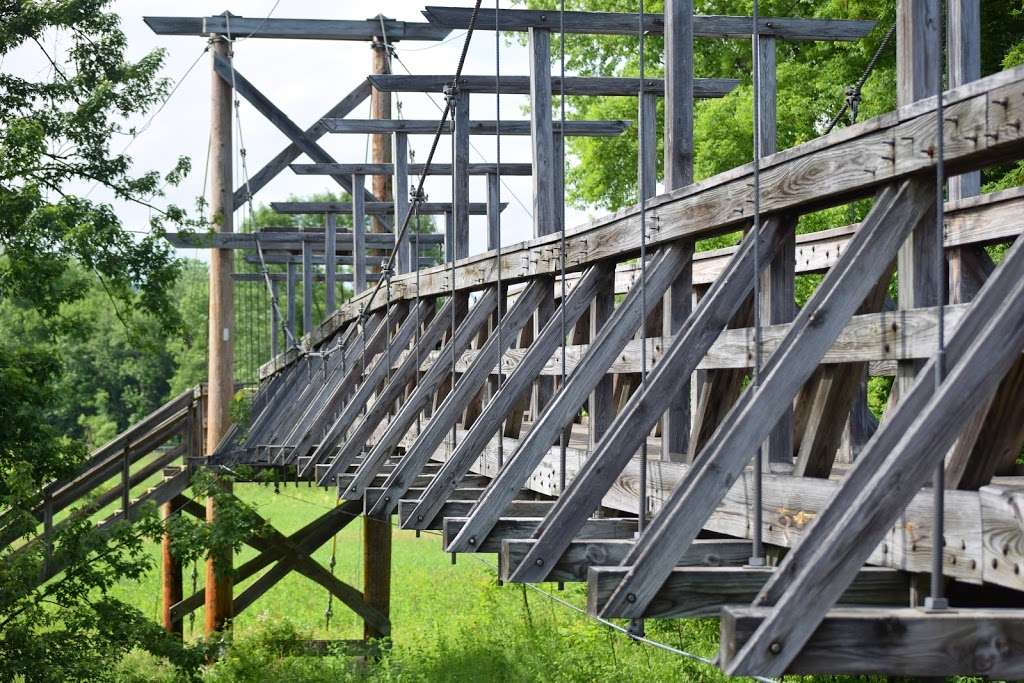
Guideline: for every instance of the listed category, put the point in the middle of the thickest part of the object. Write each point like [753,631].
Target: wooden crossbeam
[510,528]
[576,128]
[891,469]
[374,208]
[897,642]
[307,29]
[508,396]
[507,169]
[291,240]
[580,556]
[621,326]
[616,23]
[455,507]
[440,371]
[279,258]
[703,88]
[702,591]
[451,409]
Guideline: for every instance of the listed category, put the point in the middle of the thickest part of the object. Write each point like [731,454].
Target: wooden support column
[917,24]
[290,292]
[222,314]
[777,304]
[307,288]
[380,144]
[460,174]
[275,322]
[678,301]
[171,575]
[404,257]
[217,596]
[601,403]
[358,234]
[558,141]
[330,261]
[449,236]
[541,134]
[493,212]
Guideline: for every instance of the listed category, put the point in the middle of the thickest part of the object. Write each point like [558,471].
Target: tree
[57,250]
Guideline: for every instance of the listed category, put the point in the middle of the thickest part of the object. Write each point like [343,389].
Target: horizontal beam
[509,528]
[899,642]
[703,88]
[703,591]
[506,169]
[428,127]
[374,208]
[290,241]
[279,257]
[303,29]
[616,23]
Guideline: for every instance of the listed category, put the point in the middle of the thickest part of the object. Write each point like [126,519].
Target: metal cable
[852,98]
[501,290]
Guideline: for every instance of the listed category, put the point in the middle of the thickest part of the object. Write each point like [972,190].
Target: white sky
[304,78]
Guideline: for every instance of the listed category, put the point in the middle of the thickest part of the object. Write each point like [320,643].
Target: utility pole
[220,372]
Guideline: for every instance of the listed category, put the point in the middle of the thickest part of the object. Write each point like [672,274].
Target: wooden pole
[218,605]
[377,533]
[171,576]
[222,314]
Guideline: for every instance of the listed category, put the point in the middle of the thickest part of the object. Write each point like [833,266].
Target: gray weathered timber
[358,234]
[615,23]
[279,257]
[580,556]
[541,141]
[372,208]
[890,470]
[290,153]
[309,29]
[475,168]
[460,508]
[400,182]
[287,241]
[896,211]
[515,528]
[701,591]
[469,383]
[901,642]
[856,160]
[460,179]
[494,208]
[334,435]
[307,285]
[703,88]
[600,406]
[425,389]
[508,396]
[576,128]
[263,105]
[331,262]
[632,426]
[623,322]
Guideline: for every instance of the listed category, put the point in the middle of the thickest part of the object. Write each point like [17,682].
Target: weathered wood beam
[305,29]
[897,642]
[702,591]
[428,127]
[616,23]
[476,168]
[703,88]
[291,241]
[515,528]
[372,208]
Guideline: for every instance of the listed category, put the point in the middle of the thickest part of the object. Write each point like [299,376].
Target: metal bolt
[630,597]
[472,540]
[539,562]
[775,648]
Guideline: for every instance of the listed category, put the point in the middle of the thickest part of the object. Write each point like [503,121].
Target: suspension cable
[851,101]
[497,146]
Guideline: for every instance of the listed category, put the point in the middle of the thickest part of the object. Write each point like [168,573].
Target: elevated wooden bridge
[604,404]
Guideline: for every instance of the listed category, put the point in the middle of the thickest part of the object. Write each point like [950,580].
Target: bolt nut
[472,540]
[775,648]
[539,562]
[631,597]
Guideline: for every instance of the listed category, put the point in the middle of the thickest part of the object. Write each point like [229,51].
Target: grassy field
[450,622]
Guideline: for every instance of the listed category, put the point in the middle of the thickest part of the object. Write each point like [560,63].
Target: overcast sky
[304,78]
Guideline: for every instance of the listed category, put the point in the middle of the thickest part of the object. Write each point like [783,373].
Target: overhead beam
[574,85]
[302,29]
[507,169]
[373,208]
[625,24]
[481,127]
[290,241]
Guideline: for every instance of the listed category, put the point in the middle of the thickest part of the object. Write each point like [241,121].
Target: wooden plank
[460,179]
[400,182]
[507,397]
[460,508]
[541,131]
[896,211]
[358,208]
[580,556]
[891,469]
[494,208]
[307,287]
[615,23]
[703,88]
[474,168]
[288,240]
[702,591]
[897,642]
[620,327]
[510,528]
[574,128]
[307,29]
[469,383]
[372,208]
[331,259]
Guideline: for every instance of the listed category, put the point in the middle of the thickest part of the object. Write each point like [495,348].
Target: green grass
[449,622]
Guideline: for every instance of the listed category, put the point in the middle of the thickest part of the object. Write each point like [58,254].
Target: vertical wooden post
[290,292]
[677,303]
[777,303]
[222,314]
[647,108]
[171,575]
[493,211]
[307,287]
[601,406]
[917,25]
[358,233]
[377,533]
[558,142]
[331,261]
[218,605]
[460,174]
[275,322]
[403,258]
[541,134]
[449,236]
